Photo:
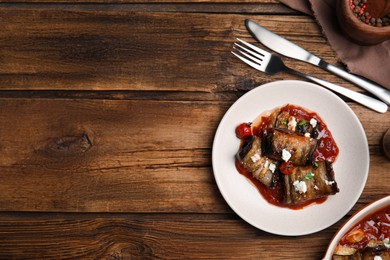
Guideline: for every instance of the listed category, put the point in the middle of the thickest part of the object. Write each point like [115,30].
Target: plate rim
[344,104]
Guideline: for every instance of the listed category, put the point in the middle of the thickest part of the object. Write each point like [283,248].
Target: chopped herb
[386,242]
[315,165]
[284,122]
[309,176]
[302,123]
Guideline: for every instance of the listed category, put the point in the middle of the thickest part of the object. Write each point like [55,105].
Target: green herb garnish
[315,165]
[284,122]
[302,123]
[309,176]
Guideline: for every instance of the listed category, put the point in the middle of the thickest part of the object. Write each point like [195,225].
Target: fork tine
[255,56]
[253,47]
[250,63]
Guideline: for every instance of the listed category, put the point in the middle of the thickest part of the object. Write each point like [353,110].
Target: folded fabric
[371,62]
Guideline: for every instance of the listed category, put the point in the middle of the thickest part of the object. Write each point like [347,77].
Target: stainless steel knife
[289,49]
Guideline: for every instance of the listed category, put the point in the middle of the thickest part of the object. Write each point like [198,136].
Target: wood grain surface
[108,110]
[164,51]
[124,155]
[145,236]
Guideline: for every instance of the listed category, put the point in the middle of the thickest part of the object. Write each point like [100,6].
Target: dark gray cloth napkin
[371,62]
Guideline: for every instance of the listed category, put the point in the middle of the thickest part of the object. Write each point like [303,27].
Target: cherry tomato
[244,130]
[286,167]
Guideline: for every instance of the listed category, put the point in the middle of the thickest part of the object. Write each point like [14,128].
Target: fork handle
[367,101]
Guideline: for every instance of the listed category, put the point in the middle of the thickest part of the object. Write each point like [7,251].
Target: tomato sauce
[373,227]
[326,150]
[262,128]
[274,195]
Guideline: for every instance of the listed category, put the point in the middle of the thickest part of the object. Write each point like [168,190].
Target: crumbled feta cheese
[313,122]
[377,257]
[255,157]
[316,187]
[292,124]
[286,155]
[266,164]
[307,134]
[272,167]
[321,134]
[329,182]
[300,186]
[386,242]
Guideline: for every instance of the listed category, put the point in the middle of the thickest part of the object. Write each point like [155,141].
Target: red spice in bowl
[371,14]
[366,22]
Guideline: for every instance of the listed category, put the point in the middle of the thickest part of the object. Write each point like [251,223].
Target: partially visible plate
[358,216]
[351,167]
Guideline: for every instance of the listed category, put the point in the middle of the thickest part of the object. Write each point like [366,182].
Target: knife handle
[367,101]
[378,91]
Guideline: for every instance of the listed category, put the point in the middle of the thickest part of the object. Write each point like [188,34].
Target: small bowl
[358,31]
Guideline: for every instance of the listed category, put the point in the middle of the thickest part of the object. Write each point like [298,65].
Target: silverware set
[272,64]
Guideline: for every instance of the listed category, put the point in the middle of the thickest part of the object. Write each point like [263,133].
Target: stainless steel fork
[271,64]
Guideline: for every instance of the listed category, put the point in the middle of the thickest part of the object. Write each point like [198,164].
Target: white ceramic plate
[351,167]
[368,210]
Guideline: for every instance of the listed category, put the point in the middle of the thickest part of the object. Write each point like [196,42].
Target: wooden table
[108,114]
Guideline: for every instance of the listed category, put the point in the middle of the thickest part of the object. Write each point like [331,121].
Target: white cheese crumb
[377,257]
[300,186]
[286,155]
[307,135]
[266,164]
[292,124]
[316,187]
[386,242]
[255,157]
[313,122]
[272,167]
[329,182]
[321,134]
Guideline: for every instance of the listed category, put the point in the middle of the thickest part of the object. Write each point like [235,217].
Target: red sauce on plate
[375,226]
[327,149]
[275,194]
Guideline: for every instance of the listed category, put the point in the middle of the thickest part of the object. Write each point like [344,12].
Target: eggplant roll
[301,148]
[306,183]
[261,167]
[296,124]
[369,253]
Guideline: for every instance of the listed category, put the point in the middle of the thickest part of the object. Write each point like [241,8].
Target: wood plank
[121,155]
[146,236]
[164,51]
[142,1]
[120,148]
[258,7]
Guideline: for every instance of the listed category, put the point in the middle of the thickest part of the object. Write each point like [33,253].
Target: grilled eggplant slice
[346,253]
[261,167]
[375,248]
[297,124]
[300,147]
[306,183]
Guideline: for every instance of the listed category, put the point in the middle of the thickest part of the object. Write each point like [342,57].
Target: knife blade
[289,49]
